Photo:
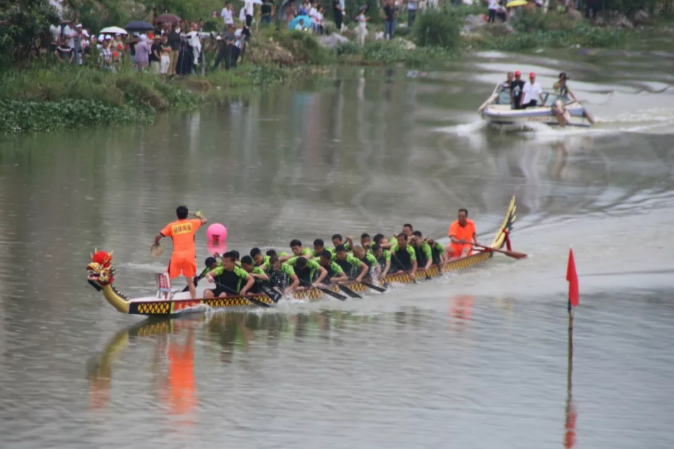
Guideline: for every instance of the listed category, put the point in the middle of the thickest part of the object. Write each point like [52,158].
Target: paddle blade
[349,292]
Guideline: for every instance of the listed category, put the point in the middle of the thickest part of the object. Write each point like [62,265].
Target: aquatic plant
[441,28]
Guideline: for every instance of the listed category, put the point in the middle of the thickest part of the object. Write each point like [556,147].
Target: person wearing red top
[463,236]
[184,258]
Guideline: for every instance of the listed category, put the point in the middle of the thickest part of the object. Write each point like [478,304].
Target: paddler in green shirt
[256,272]
[338,240]
[319,247]
[383,257]
[422,250]
[380,239]
[335,273]
[281,274]
[438,252]
[258,258]
[309,272]
[365,241]
[228,279]
[297,251]
[367,258]
[403,256]
[350,265]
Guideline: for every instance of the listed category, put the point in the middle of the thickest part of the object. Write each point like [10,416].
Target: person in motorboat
[562,89]
[532,93]
[508,82]
[516,90]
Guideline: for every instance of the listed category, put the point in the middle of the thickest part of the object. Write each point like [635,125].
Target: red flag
[572,278]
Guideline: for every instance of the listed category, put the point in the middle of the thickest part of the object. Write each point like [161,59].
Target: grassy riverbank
[46,97]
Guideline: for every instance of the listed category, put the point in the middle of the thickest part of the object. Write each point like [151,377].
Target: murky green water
[475,360]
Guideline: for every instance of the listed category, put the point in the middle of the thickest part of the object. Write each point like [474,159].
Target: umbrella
[515,3]
[307,22]
[139,26]
[167,18]
[113,30]
[255,2]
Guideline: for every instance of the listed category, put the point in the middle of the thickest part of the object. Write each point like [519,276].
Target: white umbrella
[113,30]
[255,2]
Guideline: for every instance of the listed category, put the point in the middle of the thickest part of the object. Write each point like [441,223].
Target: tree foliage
[23,25]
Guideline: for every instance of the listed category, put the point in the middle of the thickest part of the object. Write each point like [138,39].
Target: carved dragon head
[100,271]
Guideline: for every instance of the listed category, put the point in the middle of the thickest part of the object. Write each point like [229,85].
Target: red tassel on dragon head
[100,270]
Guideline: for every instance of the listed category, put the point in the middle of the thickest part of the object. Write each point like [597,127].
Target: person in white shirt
[227,15]
[493,6]
[531,93]
[249,7]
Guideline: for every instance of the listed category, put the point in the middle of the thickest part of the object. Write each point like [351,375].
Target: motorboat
[556,110]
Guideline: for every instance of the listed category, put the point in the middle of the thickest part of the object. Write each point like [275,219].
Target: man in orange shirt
[184,258]
[463,236]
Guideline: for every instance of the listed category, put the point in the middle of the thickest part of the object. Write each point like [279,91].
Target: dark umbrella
[139,26]
[167,18]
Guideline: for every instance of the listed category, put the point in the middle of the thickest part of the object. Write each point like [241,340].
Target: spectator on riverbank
[174,42]
[155,55]
[338,12]
[228,15]
[142,56]
[501,12]
[267,12]
[493,6]
[249,8]
[361,31]
[165,52]
[390,14]
[64,53]
[412,7]
[106,56]
[224,54]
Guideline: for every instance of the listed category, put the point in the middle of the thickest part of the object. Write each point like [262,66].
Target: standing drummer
[184,257]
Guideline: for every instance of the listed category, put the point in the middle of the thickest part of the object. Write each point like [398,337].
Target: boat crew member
[350,265]
[257,257]
[367,258]
[407,230]
[531,93]
[403,256]
[383,257]
[516,91]
[335,273]
[237,256]
[281,275]
[309,272]
[380,239]
[562,89]
[338,240]
[437,251]
[463,236]
[229,279]
[422,250]
[256,272]
[365,241]
[319,247]
[184,257]
[297,251]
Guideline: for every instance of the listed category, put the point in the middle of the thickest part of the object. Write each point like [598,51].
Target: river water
[478,359]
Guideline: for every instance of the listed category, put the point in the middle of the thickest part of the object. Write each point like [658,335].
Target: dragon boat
[170,303]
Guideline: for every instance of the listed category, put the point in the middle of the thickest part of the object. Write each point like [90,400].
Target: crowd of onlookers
[170,49]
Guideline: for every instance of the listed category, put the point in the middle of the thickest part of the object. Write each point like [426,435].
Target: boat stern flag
[572,278]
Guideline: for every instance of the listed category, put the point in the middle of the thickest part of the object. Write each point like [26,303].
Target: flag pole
[572,301]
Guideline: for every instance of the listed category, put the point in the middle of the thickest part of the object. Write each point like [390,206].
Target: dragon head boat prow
[101,275]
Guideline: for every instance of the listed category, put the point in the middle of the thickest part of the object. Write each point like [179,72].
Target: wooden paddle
[513,254]
[370,286]
[325,290]
[348,291]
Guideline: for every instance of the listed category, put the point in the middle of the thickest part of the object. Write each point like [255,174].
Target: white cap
[85,33]
[108,37]
[79,25]
[219,38]
[101,37]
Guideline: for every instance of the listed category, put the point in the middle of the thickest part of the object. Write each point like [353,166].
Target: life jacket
[277,278]
[401,259]
[421,256]
[436,254]
[346,267]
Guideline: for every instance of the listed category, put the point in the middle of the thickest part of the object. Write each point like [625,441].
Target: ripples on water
[477,359]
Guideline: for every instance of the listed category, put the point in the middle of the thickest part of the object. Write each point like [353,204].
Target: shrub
[532,21]
[437,29]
